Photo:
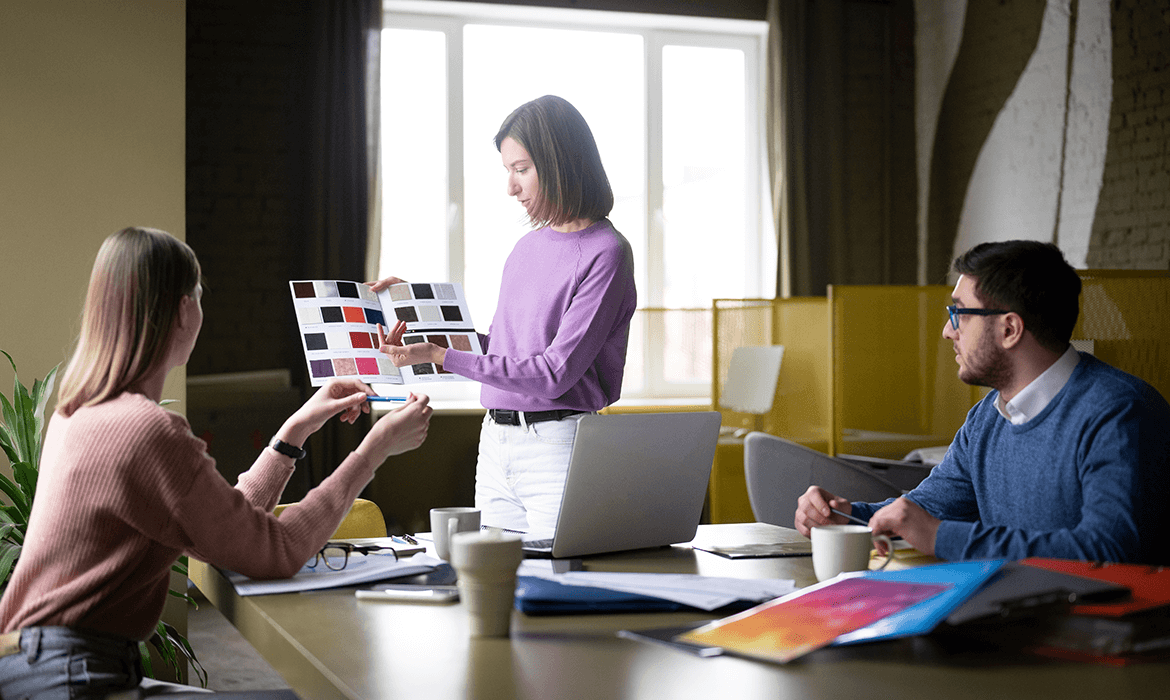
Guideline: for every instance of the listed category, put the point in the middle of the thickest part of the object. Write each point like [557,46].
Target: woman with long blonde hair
[125,487]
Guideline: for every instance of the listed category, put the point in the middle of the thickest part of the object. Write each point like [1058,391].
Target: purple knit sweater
[558,340]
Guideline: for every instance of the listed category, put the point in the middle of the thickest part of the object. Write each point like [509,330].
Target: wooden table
[332,645]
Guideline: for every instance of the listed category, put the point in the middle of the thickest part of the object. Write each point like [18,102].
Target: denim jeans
[520,477]
[61,663]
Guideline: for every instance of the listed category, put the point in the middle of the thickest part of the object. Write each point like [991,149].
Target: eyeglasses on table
[335,555]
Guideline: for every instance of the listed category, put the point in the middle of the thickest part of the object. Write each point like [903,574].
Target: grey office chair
[778,471]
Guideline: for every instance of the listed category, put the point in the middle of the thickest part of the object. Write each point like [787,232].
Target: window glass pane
[687,350]
[414,155]
[601,74]
[634,379]
[703,172]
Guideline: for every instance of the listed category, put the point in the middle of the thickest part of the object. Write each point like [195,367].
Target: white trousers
[520,477]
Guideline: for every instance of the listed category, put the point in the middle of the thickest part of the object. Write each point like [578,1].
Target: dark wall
[247,78]
[878,241]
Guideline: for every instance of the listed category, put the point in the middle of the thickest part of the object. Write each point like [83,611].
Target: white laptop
[635,481]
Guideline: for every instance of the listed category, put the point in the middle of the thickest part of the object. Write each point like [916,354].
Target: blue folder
[965,578]
[541,596]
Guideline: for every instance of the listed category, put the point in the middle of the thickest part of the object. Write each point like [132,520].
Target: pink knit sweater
[124,489]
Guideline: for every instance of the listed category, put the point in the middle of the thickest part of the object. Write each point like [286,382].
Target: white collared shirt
[1032,399]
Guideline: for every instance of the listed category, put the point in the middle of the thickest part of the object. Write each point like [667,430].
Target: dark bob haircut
[573,183]
[1030,278]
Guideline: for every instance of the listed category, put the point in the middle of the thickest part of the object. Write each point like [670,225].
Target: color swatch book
[338,323]
[789,627]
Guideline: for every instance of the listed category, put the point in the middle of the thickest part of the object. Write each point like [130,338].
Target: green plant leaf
[26,478]
[7,442]
[16,499]
[185,597]
[9,553]
[171,645]
[8,434]
[23,422]
[176,644]
[42,390]
[144,653]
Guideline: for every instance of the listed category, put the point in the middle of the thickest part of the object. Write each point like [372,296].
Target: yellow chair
[364,519]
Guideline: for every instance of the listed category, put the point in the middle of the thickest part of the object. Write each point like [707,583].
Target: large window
[675,106]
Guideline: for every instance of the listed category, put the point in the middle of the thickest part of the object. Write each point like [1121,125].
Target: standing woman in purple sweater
[556,349]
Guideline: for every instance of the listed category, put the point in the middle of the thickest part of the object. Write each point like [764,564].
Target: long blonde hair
[139,277]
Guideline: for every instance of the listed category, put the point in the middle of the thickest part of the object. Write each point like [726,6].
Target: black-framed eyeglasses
[335,555]
[956,311]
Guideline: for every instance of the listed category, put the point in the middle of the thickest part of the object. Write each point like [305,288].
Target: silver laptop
[635,481]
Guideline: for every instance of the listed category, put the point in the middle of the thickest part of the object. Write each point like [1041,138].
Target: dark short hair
[573,183]
[1030,278]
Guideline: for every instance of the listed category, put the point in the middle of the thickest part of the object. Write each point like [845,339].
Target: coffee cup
[485,565]
[446,522]
[840,548]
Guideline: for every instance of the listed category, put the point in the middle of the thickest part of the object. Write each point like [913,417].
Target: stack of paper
[543,592]
[360,569]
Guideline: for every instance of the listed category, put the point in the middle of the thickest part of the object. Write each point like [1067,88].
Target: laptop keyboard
[538,544]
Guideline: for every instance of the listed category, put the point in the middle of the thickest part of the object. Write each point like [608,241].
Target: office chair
[778,471]
[364,519]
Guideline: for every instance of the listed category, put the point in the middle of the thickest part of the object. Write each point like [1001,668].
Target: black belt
[505,417]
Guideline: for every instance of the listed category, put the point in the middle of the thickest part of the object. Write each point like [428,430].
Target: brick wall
[1132,224]
[247,77]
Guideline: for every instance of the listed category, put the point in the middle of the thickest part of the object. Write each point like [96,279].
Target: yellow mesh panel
[895,381]
[1126,315]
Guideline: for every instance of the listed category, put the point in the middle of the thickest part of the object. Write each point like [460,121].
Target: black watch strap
[287,450]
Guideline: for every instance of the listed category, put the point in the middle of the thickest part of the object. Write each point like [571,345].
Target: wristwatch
[287,450]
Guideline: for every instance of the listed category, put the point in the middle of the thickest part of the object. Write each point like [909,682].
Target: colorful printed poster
[787,628]
[338,323]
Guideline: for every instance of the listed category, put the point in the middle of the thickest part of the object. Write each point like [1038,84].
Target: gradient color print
[790,627]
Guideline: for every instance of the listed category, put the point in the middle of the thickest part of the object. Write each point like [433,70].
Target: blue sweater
[1088,478]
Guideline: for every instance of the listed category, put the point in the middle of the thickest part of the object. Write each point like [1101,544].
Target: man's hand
[906,518]
[814,509]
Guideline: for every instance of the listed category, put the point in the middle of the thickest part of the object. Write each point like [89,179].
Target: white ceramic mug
[840,548]
[485,563]
[446,522]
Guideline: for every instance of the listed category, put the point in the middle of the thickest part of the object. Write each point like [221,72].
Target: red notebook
[1149,585]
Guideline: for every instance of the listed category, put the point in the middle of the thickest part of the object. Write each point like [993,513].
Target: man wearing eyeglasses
[1068,457]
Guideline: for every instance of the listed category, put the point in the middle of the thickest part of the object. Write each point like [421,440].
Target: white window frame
[658,32]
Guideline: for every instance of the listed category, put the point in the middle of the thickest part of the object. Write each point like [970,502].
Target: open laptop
[635,481]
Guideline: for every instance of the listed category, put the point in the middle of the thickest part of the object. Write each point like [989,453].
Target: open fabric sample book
[338,323]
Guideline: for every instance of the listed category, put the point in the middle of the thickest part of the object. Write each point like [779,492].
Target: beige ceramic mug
[446,522]
[841,548]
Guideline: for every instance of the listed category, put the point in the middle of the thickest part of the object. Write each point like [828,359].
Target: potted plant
[22,422]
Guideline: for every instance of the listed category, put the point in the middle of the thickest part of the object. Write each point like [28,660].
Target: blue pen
[397,399]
